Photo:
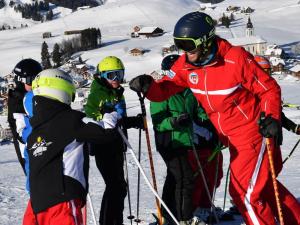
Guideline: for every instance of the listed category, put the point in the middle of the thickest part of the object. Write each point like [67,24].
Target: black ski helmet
[26,70]
[168,61]
[195,25]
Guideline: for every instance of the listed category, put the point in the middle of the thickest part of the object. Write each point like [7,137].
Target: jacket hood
[44,109]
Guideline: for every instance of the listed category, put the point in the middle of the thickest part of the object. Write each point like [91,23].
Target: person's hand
[270,128]
[183,120]
[141,83]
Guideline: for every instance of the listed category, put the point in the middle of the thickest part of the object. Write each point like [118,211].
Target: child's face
[113,83]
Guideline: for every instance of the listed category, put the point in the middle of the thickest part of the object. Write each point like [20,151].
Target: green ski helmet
[111,68]
[55,84]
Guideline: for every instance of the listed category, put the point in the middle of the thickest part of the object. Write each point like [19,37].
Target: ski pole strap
[297,143]
[216,151]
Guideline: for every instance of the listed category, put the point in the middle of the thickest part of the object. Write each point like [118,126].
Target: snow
[116,18]
[241,41]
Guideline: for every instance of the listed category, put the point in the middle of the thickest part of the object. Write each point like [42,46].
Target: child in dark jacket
[58,151]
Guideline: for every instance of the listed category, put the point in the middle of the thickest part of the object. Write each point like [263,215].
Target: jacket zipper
[239,108]
[206,92]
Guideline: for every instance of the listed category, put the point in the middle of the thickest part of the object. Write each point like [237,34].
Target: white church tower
[249,28]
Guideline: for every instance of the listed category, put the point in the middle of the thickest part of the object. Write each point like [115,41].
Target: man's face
[27,87]
[193,56]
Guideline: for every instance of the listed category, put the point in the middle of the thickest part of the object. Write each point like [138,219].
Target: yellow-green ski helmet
[55,84]
[112,68]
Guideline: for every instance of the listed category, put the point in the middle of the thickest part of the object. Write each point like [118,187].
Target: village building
[47,35]
[277,64]
[274,50]
[150,32]
[295,70]
[136,52]
[254,44]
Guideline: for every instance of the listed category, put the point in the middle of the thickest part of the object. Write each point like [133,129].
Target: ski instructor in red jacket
[234,91]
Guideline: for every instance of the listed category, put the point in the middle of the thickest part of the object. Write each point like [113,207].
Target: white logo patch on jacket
[40,147]
[193,78]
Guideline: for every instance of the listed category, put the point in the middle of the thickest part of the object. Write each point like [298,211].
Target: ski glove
[133,122]
[20,122]
[270,128]
[183,120]
[141,83]
[109,120]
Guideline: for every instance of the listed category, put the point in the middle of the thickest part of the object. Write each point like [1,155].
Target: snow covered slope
[275,20]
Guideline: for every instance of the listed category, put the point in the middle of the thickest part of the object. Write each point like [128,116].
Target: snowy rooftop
[241,41]
[296,68]
[147,29]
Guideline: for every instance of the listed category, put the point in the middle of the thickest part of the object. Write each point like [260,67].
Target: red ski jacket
[233,90]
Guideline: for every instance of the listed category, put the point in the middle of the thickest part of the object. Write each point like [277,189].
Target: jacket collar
[44,109]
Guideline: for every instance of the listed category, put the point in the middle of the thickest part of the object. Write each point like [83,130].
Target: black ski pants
[110,164]
[179,184]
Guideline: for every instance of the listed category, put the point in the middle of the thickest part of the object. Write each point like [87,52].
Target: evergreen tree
[2,4]
[45,56]
[56,56]
[49,15]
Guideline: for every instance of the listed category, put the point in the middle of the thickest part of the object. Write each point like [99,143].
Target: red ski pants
[200,198]
[65,213]
[251,186]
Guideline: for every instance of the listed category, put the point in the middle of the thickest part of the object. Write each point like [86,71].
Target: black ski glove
[141,83]
[270,128]
[183,120]
[133,122]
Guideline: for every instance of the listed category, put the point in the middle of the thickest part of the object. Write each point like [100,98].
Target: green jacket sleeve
[93,105]
[160,116]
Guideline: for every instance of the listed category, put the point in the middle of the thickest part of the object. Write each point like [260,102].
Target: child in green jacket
[106,95]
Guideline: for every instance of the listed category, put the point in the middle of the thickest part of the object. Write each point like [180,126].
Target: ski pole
[226,186]
[143,109]
[269,150]
[203,176]
[215,183]
[297,143]
[89,199]
[145,177]
[137,220]
[130,217]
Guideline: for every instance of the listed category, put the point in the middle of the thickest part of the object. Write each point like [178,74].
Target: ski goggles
[191,44]
[26,80]
[117,75]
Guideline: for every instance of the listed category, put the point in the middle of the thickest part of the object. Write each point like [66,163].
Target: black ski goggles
[117,75]
[26,80]
[187,44]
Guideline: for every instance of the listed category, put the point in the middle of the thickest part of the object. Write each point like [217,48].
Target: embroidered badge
[171,74]
[193,78]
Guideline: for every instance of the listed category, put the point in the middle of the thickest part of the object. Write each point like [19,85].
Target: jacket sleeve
[93,133]
[287,123]
[160,116]
[92,107]
[261,85]
[169,85]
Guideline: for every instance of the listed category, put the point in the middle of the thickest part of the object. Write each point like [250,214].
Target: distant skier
[234,91]
[58,151]
[24,73]
[106,95]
